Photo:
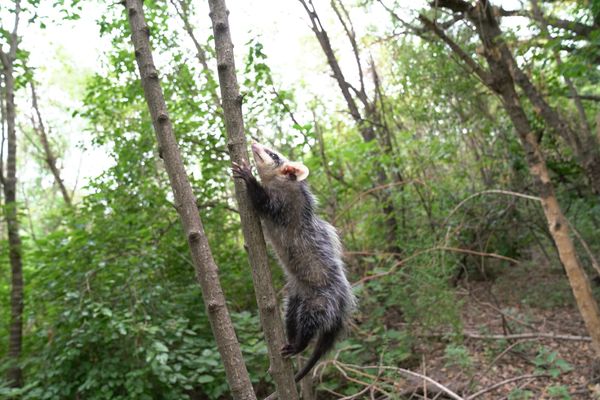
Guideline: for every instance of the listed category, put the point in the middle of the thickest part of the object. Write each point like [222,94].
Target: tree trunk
[500,79]
[9,183]
[557,224]
[15,338]
[49,156]
[280,369]
[206,269]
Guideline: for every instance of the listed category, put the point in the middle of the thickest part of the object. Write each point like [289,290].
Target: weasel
[319,298]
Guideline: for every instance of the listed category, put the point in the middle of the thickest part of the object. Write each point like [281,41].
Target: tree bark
[49,156]
[280,369]
[206,269]
[307,386]
[501,80]
[15,337]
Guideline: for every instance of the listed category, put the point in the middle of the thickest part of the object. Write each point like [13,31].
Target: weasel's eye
[274,156]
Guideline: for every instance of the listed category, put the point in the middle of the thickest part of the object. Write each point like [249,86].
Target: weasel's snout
[256,149]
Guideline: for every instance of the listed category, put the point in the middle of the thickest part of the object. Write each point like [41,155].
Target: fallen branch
[529,335]
[404,372]
[504,382]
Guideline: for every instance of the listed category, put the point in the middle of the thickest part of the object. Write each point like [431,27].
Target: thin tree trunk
[206,269]
[9,183]
[500,80]
[14,239]
[49,156]
[280,369]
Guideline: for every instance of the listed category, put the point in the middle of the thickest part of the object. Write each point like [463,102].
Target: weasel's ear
[296,169]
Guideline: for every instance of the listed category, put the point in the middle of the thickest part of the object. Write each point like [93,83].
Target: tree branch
[2,120]
[349,29]
[532,335]
[338,75]
[182,10]
[49,156]
[471,64]
[589,97]
[578,28]
[505,382]
[539,16]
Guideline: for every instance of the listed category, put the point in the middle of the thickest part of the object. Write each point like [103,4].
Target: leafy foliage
[113,310]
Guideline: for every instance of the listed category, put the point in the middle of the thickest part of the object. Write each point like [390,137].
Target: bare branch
[338,75]
[182,10]
[537,12]
[505,382]
[15,339]
[578,28]
[407,373]
[3,122]
[457,6]
[8,58]
[589,97]
[501,12]
[49,156]
[471,64]
[13,36]
[349,29]
[531,335]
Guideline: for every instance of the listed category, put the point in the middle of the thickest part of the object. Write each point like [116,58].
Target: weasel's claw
[242,170]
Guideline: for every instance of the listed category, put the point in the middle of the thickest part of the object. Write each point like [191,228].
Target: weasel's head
[273,166]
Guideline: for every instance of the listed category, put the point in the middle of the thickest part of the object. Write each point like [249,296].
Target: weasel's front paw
[242,171]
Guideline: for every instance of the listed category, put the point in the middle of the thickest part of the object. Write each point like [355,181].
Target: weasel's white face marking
[272,165]
[265,157]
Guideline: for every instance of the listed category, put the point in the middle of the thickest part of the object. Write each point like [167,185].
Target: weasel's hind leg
[291,325]
[306,325]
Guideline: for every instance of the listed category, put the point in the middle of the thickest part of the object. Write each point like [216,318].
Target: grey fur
[319,299]
[310,251]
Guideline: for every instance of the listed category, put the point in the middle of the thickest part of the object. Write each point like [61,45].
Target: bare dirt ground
[525,300]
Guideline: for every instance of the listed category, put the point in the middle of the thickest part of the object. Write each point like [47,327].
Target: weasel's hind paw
[288,350]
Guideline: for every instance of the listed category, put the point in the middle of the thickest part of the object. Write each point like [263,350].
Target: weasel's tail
[324,343]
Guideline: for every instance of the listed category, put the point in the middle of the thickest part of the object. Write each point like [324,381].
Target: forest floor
[528,298]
